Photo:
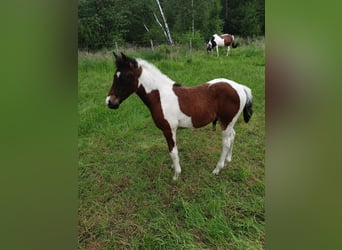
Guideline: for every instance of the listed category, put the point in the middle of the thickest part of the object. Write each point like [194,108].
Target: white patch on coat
[152,79]
[219,41]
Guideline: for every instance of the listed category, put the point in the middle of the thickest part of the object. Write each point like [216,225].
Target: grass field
[127,199]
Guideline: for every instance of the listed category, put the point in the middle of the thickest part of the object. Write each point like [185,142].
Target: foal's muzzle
[112,104]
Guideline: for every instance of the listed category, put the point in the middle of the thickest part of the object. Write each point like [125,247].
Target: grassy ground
[127,199]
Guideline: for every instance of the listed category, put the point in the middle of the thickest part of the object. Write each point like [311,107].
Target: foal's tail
[247,110]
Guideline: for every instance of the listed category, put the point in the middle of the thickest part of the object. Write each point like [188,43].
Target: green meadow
[127,198]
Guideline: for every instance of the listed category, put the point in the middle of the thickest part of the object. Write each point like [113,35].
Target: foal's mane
[148,66]
[152,75]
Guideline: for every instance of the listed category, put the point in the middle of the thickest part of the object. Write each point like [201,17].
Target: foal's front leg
[170,136]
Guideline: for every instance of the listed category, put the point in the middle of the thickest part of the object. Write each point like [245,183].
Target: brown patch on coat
[208,102]
[228,39]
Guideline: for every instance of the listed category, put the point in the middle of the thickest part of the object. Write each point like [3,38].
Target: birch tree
[161,26]
[165,23]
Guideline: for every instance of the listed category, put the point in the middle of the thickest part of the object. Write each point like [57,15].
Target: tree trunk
[165,23]
[193,19]
[161,26]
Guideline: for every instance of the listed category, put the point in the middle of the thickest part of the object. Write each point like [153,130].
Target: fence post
[190,45]
[116,47]
[152,45]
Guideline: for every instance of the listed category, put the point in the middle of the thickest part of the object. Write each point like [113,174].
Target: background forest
[102,23]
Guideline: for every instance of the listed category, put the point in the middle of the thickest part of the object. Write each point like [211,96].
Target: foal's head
[125,80]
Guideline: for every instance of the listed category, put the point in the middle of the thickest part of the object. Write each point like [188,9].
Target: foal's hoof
[175,177]
[216,171]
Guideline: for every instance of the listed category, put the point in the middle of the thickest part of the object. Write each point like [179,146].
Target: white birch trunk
[165,23]
[158,22]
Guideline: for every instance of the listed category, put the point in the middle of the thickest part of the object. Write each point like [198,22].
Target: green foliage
[100,24]
[245,18]
[154,34]
[215,23]
[197,40]
[127,199]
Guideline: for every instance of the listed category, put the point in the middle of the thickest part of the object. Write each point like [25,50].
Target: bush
[196,39]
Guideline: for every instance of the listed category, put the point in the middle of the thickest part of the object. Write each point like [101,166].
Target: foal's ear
[130,62]
[119,60]
[124,57]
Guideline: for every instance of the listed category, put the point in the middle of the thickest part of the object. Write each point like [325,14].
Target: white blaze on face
[107,100]
[118,74]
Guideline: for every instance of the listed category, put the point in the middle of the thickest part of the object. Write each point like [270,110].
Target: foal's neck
[152,78]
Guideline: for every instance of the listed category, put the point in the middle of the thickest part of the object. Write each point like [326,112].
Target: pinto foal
[173,106]
[221,41]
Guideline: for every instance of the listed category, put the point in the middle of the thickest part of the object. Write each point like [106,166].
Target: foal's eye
[125,78]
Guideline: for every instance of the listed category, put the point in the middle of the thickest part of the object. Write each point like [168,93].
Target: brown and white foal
[173,106]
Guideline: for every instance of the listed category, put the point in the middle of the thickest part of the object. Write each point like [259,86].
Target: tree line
[104,23]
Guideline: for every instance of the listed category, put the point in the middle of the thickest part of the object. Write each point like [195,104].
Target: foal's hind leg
[225,149]
[232,137]
[228,49]
[227,143]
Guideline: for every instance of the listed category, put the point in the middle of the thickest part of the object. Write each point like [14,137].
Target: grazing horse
[173,106]
[221,41]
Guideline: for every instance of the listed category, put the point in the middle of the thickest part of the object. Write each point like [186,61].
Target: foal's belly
[186,123]
[195,122]
[197,119]
[201,121]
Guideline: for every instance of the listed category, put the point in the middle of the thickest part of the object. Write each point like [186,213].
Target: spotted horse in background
[225,40]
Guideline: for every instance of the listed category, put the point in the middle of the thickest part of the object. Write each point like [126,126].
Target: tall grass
[127,199]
